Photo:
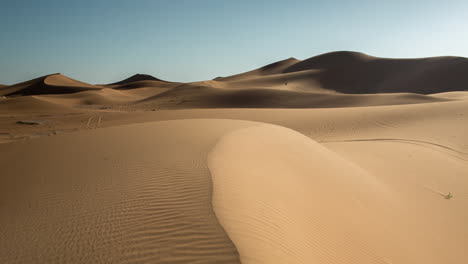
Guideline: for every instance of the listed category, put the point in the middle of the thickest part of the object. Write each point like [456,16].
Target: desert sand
[339,158]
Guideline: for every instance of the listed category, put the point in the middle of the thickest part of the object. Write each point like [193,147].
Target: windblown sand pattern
[340,158]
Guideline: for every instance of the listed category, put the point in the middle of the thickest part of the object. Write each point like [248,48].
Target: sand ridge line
[408,141]
[269,205]
[115,200]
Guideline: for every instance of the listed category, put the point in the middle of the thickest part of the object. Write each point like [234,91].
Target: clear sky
[189,40]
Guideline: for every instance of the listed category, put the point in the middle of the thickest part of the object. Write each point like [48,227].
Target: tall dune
[353,72]
[357,73]
[49,84]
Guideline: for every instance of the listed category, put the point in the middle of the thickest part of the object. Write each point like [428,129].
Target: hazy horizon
[107,41]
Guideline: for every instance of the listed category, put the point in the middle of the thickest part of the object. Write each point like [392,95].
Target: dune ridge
[349,72]
[270,69]
[356,73]
[337,79]
[49,84]
[283,198]
[137,78]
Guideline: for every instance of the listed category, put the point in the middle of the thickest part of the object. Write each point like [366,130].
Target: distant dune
[357,73]
[270,69]
[340,158]
[335,72]
[49,84]
[137,78]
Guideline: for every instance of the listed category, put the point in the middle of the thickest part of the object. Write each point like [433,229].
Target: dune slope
[357,73]
[137,78]
[349,72]
[273,68]
[283,198]
[50,84]
[133,194]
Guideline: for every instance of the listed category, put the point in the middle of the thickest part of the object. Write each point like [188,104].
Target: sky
[100,41]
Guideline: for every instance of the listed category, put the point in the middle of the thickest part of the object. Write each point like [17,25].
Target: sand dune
[103,97]
[352,72]
[363,74]
[284,198]
[50,84]
[208,97]
[340,158]
[137,78]
[30,104]
[112,200]
[142,84]
[274,68]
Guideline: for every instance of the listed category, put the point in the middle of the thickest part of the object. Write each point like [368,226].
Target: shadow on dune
[49,84]
[357,73]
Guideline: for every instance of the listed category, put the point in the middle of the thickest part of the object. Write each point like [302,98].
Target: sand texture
[341,158]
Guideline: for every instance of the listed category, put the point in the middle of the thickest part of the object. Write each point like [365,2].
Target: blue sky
[190,40]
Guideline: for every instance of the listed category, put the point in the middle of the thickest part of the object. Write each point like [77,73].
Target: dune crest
[357,73]
[49,84]
[283,198]
[114,200]
[270,69]
[136,78]
[330,60]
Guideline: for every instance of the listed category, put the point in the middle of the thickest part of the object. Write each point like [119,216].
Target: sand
[340,158]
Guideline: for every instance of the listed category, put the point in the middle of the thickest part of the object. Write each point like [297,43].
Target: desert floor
[340,158]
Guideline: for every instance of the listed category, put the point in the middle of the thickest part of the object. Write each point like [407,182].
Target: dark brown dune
[358,73]
[330,60]
[137,78]
[350,72]
[144,83]
[49,84]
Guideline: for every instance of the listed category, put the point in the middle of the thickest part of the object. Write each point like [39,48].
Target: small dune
[137,78]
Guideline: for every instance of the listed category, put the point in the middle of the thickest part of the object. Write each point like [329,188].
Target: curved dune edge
[130,194]
[284,198]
